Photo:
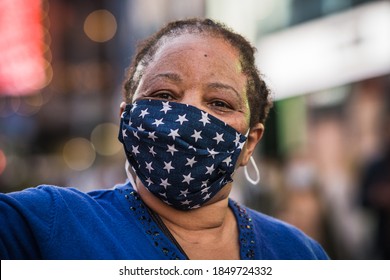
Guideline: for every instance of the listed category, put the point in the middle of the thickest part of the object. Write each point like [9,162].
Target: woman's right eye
[163,95]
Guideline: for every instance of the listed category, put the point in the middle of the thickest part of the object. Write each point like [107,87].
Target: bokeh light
[30,105]
[79,154]
[104,138]
[3,161]
[23,63]
[100,26]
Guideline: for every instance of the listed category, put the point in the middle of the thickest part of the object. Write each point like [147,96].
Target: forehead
[197,42]
[194,53]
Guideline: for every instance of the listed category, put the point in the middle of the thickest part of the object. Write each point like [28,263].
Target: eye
[163,95]
[220,104]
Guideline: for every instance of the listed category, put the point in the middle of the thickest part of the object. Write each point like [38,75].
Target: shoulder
[281,240]
[41,197]
[45,193]
[53,222]
[29,217]
[47,198]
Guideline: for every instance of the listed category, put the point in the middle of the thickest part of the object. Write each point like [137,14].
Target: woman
[194,112]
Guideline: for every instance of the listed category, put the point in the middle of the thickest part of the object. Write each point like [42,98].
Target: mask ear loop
[129,175]
[250,180]
[252,160]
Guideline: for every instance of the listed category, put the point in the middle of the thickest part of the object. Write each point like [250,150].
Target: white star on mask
[187,178]
[237,140]
[171,149]
[133,107]
[205,183]
[158,122]
[241,145]
[166,107]
[135,133]
[164,183]
[149,181]
[191,161]
[144,113]
[181,119]
[184,193]
[212,153]
[228,160]
[140,128]
[163,194]
[152,136]
[210,169]
[205,118]
[135,150]
[151,150]
[196,135]
[174,133]
[149,166]
[187,202]
[205,190]
[218,137]
[168,166]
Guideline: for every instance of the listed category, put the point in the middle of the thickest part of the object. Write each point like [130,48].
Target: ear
[122,108]
[254,136]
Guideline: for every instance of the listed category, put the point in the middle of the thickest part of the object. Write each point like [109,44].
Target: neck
[213,215]
[208,232]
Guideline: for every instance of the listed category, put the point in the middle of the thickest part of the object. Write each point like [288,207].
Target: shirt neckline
[164,244]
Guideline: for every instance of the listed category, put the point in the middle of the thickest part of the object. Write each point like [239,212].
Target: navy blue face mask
[182,155]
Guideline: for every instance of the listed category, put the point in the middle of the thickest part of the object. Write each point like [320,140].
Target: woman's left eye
[221,104]
[163,95]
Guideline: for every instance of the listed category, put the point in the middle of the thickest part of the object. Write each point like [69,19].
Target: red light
[22,62]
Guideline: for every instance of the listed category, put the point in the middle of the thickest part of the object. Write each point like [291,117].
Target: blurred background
[324,159]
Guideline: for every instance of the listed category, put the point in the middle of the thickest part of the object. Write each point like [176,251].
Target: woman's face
[202,71]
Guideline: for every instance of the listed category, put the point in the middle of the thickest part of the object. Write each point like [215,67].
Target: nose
[193,97]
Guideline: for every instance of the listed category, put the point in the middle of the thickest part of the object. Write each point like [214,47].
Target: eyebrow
[170,76]
[214,85]
[217,85]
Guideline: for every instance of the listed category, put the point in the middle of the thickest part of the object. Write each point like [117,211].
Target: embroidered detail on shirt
[168,249]
[159,240]
[246,231]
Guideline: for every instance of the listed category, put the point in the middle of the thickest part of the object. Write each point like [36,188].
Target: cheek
[240,122]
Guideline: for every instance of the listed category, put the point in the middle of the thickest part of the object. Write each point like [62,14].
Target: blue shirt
[51,222]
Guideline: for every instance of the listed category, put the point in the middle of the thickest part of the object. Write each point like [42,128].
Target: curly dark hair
[257,90]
